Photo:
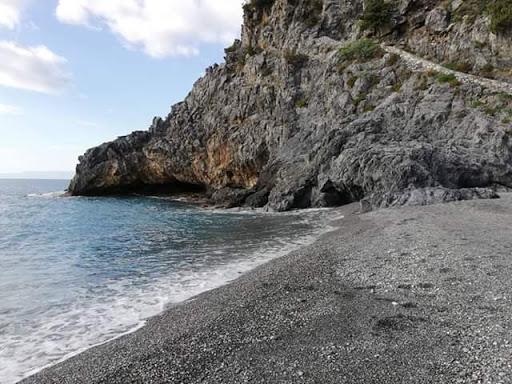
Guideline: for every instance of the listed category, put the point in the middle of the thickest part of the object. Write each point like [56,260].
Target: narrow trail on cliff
[419,64]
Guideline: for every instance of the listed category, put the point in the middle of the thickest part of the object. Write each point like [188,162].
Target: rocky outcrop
[424,196]
[306,112]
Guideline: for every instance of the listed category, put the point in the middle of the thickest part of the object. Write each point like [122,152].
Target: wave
[129,314]
[48,195]
[122,307]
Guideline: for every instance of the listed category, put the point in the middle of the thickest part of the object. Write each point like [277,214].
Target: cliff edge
[327,102]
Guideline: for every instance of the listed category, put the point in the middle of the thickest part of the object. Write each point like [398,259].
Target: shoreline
[242,266]
[389,297]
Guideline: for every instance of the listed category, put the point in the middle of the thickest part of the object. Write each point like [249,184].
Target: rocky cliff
[326,102]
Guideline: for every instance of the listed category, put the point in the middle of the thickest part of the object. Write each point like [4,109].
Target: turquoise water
[76,272]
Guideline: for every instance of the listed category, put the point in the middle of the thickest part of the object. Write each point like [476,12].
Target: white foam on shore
[48,195]
[126,308]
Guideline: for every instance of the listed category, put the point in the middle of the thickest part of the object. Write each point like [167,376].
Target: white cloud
[6,109]
[32,68]
[10,13]
[159,27]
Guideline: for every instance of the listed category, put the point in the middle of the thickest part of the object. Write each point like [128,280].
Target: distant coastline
[36,175]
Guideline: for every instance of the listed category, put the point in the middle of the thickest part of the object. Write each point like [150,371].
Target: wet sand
[410,295]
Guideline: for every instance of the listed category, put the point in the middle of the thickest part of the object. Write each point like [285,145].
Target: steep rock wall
[289,122]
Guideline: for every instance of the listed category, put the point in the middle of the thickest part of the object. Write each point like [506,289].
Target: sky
[76,73]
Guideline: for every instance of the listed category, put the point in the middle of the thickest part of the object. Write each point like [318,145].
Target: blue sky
[75,73]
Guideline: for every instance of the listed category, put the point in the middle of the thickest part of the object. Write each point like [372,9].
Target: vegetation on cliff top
[376,15]
[253,5]
[500,12]
[501,15]
[312,9]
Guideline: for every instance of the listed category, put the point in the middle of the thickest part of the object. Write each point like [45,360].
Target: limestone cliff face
[306,111]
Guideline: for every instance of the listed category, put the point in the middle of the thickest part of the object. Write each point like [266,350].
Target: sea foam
[107,265]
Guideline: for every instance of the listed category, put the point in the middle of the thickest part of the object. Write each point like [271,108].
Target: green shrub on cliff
[487,71]
[449,78]
[301,103]
[314,12]
[499,11]
[459,66]
[253,5]
[376,15]
[361,50]
[471,9]
[501,15]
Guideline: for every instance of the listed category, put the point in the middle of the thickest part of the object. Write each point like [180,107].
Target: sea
[76,272]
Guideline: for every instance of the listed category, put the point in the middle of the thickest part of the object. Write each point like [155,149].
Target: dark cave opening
[146,189]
